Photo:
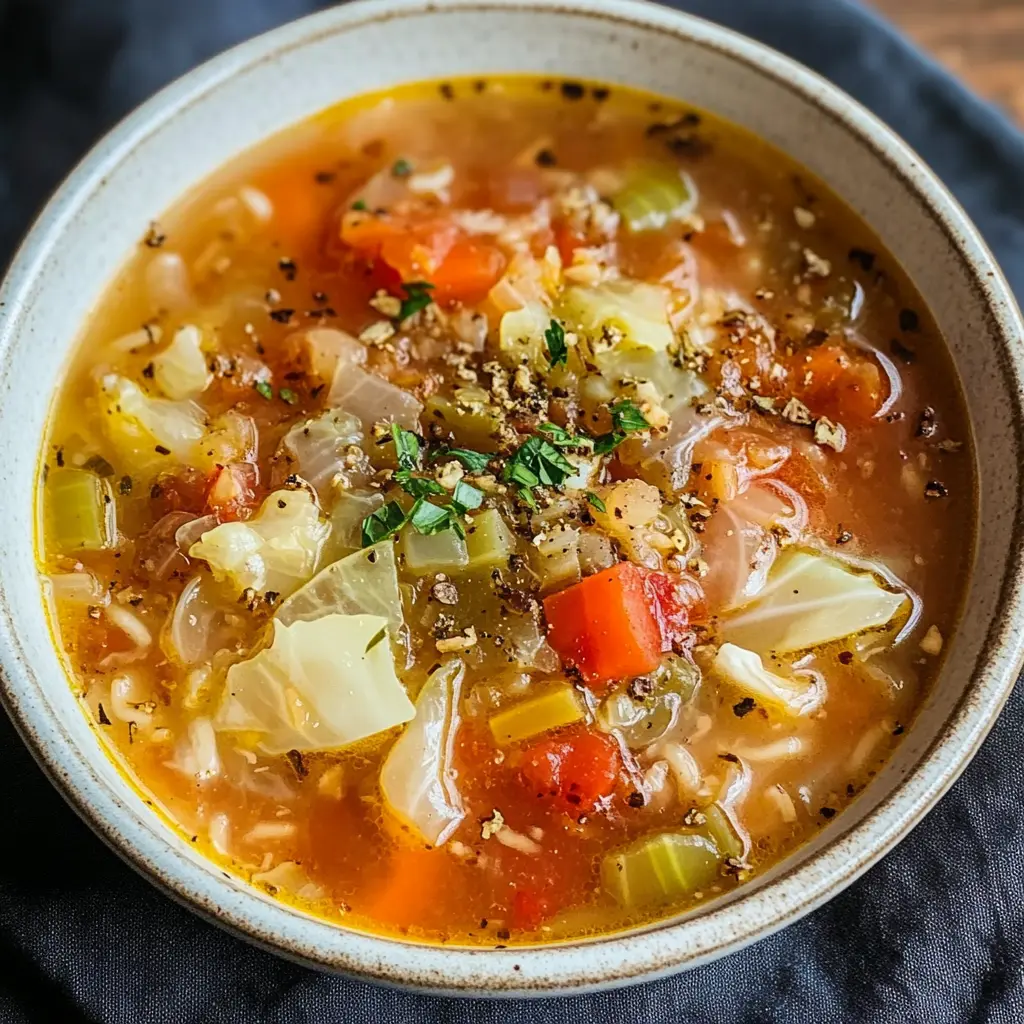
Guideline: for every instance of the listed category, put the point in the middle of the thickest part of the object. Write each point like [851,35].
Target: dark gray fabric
[933,934]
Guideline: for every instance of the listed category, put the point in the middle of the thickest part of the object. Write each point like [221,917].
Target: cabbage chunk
[417,778]
[276,551]
[325,451]
[180,370]
[364,582]
[745,670]
[629,314]
[321,685]
[809,600]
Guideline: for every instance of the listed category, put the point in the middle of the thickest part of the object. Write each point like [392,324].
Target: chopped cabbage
[365,582]
[811,599]
[521,335]
[745,670]
[325,451]
[417,779]
[372,398]
[626,314]
[276,551]
[653,196]
[138,424]
[180,370]
[321,685]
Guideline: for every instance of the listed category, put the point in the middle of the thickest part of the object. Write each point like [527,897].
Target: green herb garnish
[561,437]
[264,389]
[527,496]
[359,204]
[417,486]
[377,638]
[383,523]
[466,497]
[607,443]
[407,447]
[427,518]
[628,418]
[558,351]
[474,462]
[417,298]
[289,396]
[596,502]
[401,168]
[537,461]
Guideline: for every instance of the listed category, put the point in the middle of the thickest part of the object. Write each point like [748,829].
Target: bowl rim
[661,949]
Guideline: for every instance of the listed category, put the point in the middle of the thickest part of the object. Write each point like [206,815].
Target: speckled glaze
[225,106]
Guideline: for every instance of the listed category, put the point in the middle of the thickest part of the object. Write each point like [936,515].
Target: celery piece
[653,196]
[660,869]
[81,514]
[722,832]
[472,423]
[556,558]
[557,707]
[444,551]
[489,541]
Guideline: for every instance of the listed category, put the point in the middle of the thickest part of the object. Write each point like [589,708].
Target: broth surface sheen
[501,511]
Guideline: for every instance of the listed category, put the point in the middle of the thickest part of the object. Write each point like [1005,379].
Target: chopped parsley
[554,336]
[289,396]
[627,419]
[427,518]
[377,638]
[596,502]
[360,205]
[383,523]
[401,168]
[417,297]
[537,462]
[466,497]
[474,462]
[561,437]
[417,486]
[264,389]
[407,447]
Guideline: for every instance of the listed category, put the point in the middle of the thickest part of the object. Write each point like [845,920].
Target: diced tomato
[676,600]
[232,492]
[606,625]
[837,383]
[575,769]
[530,909]
[568,240]
[183,491]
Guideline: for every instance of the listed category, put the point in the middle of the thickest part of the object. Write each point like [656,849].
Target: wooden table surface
[980,40]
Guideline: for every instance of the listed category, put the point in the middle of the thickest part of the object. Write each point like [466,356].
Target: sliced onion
[190,531]
[200,625]
[888,368]
[130,623]
[158,556]
[77,588]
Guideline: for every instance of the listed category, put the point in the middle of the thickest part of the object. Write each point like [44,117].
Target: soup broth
[506,510]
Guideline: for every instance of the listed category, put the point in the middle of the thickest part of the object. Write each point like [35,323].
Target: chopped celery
[444,551]
[719,827]
[653,196]
[80,511]
[473,423]
[489,541]
[557,707]
[619,314]
[660,869]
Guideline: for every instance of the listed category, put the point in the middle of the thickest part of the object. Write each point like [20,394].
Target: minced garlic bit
[796,412]
[386,305]
[829,434]
[449,474]
[493,825]
[815,265]
[377,333]
[931,642]
[803,217]
[462,642]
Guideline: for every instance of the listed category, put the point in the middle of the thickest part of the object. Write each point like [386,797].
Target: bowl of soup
[506,498]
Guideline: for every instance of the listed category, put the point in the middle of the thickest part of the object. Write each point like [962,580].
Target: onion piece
[191,530]
[200,624]
[77,588]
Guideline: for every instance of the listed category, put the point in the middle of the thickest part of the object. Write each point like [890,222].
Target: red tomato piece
[575,769]
[606,625]
[835,382]
[530,909]
[676,600]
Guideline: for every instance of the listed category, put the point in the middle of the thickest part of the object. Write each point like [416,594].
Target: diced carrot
[575,769]
[468,272]
[410,888]
[606,625]
[299,208]
[833,382]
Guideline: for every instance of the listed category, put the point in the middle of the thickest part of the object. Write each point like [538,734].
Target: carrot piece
[575,769]
[469,271]
[410,888]
[299,208]
[606,625]
[833,382]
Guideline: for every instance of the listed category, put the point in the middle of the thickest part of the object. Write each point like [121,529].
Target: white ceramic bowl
[228,105]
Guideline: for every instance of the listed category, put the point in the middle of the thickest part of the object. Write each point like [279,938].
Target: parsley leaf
[407,447]
[264,389]
[596,502]
[563,439]
[608,442]
[466,497]
[474,462]
[519,473]
[376,639]
[628,418]
[417,298]
[383,523]
[417,486]
[359,204]
[427,518]
[558,351]
[527,495]
[289,396]
[401,168]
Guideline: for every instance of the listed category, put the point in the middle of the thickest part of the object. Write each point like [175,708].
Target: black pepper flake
[846,657]
[744,707]
[864,258]
[161,450]
[600,94]
[154,236]
[287,267]
[816,336]
[282,316]
[573,91]
[935,489]
[101,715]
[636,799]
[827,812]
[479,85]
[296,761]
[843,536]
[909,320]
[125,486]
[60,458]
[324,177]
[446,90]
[907,355]
[545,158]
[640,688]
[147,371]
[732,758]
[503,933]
[927,425]
[898,731]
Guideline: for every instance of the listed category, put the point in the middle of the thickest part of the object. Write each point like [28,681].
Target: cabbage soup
[508,510]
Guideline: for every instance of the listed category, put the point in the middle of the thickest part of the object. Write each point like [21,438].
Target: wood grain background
[980,40]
